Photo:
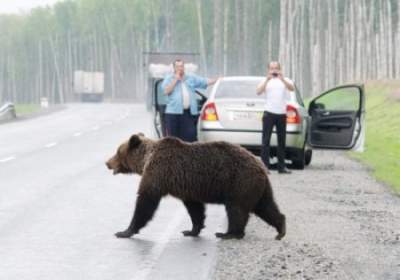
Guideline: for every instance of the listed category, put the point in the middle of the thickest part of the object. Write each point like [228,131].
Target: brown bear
[197,173]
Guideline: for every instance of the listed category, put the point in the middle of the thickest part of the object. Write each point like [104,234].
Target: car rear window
[238,89]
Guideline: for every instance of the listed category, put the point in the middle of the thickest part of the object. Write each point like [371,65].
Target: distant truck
[89,86]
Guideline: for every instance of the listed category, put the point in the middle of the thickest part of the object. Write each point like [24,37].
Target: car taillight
[292,115]
[209,113]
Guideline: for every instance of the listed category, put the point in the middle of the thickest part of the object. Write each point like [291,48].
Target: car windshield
[238,89]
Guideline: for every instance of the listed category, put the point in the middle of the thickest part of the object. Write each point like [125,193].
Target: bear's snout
[112,166]
[108,165]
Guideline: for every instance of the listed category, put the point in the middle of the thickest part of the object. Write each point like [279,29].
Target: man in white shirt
[276,89]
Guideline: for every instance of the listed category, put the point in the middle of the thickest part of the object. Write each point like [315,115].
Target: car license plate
[246,115]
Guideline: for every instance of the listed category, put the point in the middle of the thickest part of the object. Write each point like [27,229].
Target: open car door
[160,104]
[337,118]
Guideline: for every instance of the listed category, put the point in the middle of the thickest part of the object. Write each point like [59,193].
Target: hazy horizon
[21,6]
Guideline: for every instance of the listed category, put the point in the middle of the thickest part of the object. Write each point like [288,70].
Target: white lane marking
[77,134]
[155,252]
[96,127]
[50,145]
[7,159]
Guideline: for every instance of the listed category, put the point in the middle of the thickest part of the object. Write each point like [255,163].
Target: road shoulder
[342,224]
[40,113]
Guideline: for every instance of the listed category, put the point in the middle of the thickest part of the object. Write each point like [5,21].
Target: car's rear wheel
[299,161]
[308,156]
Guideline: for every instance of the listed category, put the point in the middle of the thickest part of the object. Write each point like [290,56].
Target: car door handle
[325,113]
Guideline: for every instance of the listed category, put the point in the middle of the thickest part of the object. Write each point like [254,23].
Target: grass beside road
[23,109]
[382,151]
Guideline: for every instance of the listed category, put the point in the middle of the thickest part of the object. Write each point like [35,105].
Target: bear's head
[131,155]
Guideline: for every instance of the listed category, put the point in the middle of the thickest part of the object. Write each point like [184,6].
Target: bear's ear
[134,141]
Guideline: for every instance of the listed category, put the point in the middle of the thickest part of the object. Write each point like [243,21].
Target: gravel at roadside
[341,224]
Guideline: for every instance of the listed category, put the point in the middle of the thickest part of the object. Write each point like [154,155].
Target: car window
[341,99]
[238,89]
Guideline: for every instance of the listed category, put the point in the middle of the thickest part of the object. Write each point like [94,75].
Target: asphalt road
[60,206]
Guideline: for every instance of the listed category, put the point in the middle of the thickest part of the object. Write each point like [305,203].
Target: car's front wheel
[308,156]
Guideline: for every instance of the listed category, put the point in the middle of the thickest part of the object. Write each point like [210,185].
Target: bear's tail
[268,210]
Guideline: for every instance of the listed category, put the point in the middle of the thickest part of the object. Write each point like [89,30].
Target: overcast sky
[17,6]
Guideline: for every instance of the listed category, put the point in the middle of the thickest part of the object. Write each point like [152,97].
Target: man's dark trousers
[183,126]
[269,121]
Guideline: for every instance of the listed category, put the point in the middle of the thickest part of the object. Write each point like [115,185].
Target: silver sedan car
[233,112]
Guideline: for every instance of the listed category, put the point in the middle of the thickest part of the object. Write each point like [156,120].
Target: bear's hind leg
[267,210]
[146,205]
[196,211]
[237,221]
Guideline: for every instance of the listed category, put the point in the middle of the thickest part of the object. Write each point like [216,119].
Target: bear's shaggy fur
[198,173]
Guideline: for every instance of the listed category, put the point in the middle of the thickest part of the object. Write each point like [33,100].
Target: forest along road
[60,206]
[341,224]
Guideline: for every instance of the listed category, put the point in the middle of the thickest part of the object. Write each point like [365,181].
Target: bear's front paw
[124,234]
